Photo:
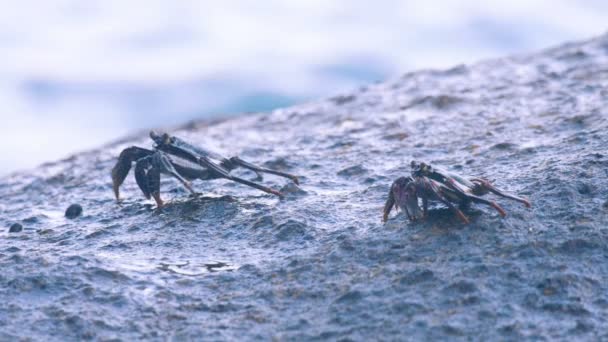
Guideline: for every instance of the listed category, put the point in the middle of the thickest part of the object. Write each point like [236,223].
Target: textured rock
[320,264]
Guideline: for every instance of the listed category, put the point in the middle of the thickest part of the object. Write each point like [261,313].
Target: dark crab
[434,184]
[185,162]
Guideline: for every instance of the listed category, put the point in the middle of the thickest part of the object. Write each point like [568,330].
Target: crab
[434,184]
[183,161]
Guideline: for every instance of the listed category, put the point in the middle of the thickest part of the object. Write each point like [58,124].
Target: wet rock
[249,268]
[97,233]
[408,309]
[417,276]
[292,229]
[292,189]
[15,228]
[343,144]
[577,246]
[583,188]
[279,164]
[350,297]
[352,171]
[461,287]
[582,327]
[73,211]
[451,330]
[263,222]
[574,309]
[553,286]
[399,136]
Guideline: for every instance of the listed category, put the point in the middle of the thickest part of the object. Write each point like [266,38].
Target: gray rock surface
[240,264]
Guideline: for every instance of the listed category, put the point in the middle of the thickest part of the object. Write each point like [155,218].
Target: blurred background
[77,74]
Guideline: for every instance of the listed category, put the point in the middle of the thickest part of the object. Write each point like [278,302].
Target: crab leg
[388,206]
[191,173]
[240,162]
[425,207]
[412,204]
[205,162]
[165,166]
[432,189]
[256,185]
[147,175]
[486,185]
[492,204]
[412,191]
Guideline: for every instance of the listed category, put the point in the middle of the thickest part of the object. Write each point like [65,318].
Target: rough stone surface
[238,264]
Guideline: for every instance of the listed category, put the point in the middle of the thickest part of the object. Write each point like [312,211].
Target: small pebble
[73,211]
[15,228]
[583,188]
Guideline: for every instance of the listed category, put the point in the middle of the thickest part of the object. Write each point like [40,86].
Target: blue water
[75,75]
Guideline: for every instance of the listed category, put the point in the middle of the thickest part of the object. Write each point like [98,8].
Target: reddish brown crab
[434,184]
[185,162]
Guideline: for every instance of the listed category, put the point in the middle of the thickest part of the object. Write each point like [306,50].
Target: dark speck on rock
[504,146]
[343,99]
[440,102]
[73,211]
[396,136]
[15,228]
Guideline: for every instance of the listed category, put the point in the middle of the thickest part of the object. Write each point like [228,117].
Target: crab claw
[409,202]
[123,166]
[405,197]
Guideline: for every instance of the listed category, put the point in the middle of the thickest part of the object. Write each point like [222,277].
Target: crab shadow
[201,206]
[441,217]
